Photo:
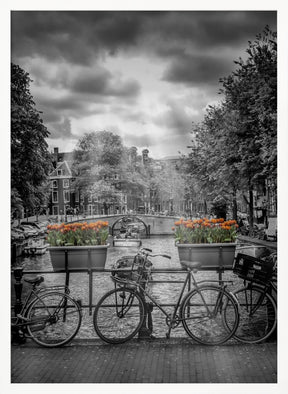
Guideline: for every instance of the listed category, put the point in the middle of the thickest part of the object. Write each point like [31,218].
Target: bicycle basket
[252,269]
[127,271]
[124,270]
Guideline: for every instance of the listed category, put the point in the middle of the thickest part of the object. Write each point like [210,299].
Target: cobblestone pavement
[157,361]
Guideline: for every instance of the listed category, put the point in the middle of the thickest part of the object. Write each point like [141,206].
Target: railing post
[220,261]
[90,281]
[67,273]
[146,332]
[18,286]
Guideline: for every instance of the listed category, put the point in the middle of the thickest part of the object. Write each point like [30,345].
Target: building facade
[60,187]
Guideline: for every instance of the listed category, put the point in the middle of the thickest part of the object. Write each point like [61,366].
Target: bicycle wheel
[53,319]
[258,314]
[209,315]
[119,315]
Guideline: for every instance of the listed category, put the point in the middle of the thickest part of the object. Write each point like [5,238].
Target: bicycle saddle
[192,265]
[34,281]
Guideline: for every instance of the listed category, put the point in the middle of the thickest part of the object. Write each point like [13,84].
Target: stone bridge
[159,225]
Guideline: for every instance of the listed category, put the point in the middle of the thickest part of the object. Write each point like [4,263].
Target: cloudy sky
[143,75]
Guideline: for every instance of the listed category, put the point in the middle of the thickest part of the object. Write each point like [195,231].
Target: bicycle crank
[175,321]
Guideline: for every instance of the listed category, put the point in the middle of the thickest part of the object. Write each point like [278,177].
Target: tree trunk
[205,207]
[251,206]
[234,206]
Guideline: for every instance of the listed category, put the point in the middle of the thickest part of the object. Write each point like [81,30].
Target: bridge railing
[20,272]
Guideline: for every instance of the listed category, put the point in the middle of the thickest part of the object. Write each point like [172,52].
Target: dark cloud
[62,104]
[67,54]
[50,34]
[105,84]
[79,36]
[76,36]
[215,28]
[198,69]
[76,106]
[91,82]
[129,88]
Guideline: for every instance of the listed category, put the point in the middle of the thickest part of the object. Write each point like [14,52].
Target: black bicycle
[208,313]
[257,298]
[49,316]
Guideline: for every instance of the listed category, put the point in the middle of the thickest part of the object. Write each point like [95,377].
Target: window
[65,183]
[54,184]
[76,196]
[55,210]
[55,197]
[90,198]
[66,196]
[59,172]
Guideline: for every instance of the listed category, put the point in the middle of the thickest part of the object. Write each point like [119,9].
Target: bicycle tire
[257,322]
[119,315]
[216,326]
[54,319]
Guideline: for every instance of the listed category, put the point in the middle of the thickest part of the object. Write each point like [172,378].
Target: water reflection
[162,292]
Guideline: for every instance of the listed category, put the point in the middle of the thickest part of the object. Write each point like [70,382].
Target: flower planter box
[209,255]
[79,257]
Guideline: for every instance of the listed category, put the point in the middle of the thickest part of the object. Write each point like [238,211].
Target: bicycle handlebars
[146,250]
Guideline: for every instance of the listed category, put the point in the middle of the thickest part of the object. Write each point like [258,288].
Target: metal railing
[19,272]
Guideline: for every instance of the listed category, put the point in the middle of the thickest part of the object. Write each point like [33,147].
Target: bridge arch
[123,222]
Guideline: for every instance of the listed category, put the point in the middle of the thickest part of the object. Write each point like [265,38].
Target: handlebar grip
[148,250]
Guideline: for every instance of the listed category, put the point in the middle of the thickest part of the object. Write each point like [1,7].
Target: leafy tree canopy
[30,159]
[236,144]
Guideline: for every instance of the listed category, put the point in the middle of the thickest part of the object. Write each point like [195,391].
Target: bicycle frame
[20,318]
[144,293]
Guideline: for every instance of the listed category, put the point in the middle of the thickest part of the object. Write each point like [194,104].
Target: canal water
[166,293]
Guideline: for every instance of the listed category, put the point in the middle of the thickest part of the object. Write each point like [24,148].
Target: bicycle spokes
[210,315]
[126,301]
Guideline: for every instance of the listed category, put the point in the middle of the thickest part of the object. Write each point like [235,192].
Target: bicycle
[258,306]
[208,312]
[49,316]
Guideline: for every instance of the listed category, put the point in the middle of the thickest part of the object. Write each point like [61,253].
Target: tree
[251,90]
[97,158]
[236,144]
[30,159]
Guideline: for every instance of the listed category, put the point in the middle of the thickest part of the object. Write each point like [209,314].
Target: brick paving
[142,361]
